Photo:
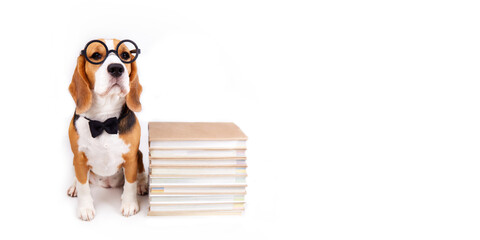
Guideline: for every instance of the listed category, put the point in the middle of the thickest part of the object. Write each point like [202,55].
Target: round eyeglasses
[97,51]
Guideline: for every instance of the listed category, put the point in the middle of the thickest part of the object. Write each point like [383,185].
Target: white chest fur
[104,152]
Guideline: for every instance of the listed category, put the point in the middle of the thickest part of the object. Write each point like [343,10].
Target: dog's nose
[115,69]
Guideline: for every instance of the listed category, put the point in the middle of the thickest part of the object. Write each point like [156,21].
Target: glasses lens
[96,52]
[127,51]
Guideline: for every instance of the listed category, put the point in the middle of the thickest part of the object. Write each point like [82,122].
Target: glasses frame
[136,51]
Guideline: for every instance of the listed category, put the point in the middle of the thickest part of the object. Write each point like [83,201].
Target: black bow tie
[96,128]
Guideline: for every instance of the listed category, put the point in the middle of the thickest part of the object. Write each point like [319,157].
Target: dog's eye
[96,56]
[125,56]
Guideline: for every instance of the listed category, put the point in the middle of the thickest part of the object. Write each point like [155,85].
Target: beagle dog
[104,131]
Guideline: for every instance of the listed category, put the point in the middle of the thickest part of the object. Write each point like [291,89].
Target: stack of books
[196,168]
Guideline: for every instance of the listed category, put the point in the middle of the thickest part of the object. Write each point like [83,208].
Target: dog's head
[106,67]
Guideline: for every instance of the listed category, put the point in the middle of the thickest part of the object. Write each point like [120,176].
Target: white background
[362,116]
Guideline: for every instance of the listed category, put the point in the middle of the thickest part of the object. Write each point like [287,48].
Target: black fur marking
[75,118]
[126,121]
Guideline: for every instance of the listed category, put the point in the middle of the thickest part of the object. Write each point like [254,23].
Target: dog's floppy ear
[80,87]
[133,97]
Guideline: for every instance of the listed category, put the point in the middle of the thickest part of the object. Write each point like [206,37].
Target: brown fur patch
[80,87]
[133,97]
[131,158]
[79,158]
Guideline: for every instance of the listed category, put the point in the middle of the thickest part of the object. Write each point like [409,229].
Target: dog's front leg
[85,209]
[129,196]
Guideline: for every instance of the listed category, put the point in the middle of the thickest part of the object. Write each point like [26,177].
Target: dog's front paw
[142,184]
[86,213]
[130,208]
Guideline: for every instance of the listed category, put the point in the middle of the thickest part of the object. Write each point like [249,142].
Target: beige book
[197,162]
[197,180]
[197,153]
[151,193]
[197,206]
[202,144]
[207,189]
[194,131]
[195,198]
[200,170]
[197,175]
[195,213]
